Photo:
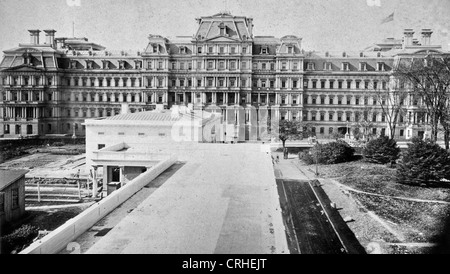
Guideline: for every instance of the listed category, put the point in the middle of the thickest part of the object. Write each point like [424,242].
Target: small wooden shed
[12,195]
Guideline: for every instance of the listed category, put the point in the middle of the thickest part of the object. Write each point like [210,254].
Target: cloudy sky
[333,25]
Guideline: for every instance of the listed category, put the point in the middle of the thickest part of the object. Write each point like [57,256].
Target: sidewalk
[287,168]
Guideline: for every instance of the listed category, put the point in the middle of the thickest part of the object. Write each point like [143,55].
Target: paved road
[313,231]
[223,200]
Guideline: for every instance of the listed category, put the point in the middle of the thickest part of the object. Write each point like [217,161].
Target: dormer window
[73,64]
[27,59]
[105,64]
[264,50]
[290,49]
[327,54]
[138,64]
[361,54]
[89,64]
[182,50]
[344,54]
[345,66]
[327,66]
[223,30]
[155,48]
[363,66]
[380,66]
[310,66]
[121,64]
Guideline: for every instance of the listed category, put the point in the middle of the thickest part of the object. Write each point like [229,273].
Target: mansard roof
[235,27]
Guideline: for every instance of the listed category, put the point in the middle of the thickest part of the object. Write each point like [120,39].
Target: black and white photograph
[232,127]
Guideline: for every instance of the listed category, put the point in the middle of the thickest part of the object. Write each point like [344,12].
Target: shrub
[19,238]
[381,150]
[424,163]
[306,157]
[333,153]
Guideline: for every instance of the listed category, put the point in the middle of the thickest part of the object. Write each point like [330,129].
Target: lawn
[419,222]
[379,179]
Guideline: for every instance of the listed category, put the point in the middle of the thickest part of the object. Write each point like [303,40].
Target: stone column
[94,182]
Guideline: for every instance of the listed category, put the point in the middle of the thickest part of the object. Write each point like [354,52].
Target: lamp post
[317,158]
[74,134]
[347,135]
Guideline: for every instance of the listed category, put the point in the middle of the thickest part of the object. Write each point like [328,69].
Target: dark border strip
[347,237]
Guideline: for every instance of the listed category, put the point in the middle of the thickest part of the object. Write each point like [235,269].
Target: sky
[324,25]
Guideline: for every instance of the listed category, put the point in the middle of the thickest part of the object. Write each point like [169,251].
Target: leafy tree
[381,150]
[287,130]
[424,163]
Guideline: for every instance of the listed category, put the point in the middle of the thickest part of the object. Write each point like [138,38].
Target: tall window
[15,198]
[2,203]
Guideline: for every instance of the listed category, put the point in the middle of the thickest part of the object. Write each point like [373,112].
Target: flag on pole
[388,19]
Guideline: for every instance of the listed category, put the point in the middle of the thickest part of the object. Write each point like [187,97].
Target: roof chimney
[250,27]
[34,35]
[50,37]
[426,35]
[408,35]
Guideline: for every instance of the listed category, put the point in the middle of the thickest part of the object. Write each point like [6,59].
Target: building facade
[52,87]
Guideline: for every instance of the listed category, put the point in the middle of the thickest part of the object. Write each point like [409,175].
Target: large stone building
[52,87]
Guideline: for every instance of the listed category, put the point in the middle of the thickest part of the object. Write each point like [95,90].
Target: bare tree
[364,122]
[390,98]
[429,79]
